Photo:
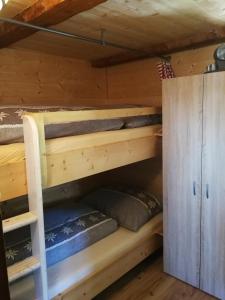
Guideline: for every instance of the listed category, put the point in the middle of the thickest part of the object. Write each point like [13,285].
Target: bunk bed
[56,161]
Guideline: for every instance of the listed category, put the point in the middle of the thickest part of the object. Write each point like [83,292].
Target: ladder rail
[35,198]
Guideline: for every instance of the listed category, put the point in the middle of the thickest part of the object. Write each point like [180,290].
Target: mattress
[94,259]
[11,123]
[69,228]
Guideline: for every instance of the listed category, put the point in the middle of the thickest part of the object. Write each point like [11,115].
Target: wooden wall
[135,82]
[28,77]
[138,82]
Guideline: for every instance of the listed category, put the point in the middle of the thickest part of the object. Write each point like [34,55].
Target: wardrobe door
[182,139]
[213,186]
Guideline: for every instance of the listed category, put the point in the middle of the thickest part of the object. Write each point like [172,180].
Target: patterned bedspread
[69,228]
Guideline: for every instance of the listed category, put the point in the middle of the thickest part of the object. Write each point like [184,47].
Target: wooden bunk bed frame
[57,161]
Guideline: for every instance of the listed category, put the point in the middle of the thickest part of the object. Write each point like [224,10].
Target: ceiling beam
[199,40]
[43,13]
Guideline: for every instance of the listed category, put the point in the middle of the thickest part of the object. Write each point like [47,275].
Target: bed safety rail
[54,162]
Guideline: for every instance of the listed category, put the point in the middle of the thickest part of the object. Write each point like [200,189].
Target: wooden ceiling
[14,7]
[151,26]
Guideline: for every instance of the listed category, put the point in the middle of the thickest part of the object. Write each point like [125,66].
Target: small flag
[165,70]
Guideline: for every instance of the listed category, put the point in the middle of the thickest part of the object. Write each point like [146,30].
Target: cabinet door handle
[194,188]
[207,191]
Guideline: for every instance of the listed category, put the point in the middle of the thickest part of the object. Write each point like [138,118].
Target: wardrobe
[194,180]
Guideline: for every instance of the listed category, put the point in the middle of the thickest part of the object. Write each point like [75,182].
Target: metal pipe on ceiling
[101,42]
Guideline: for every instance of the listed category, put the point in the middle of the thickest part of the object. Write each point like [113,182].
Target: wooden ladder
[30,264]
[37,262]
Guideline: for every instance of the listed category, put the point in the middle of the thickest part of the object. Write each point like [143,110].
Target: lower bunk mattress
[77,269]
[69,228]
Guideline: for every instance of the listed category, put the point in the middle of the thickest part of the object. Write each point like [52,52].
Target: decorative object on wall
[165,69]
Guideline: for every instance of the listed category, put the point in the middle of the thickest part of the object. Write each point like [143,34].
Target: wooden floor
[147,282]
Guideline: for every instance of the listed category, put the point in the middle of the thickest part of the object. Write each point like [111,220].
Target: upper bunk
[70,158]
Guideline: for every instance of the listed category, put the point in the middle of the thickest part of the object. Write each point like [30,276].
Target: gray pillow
[132,208]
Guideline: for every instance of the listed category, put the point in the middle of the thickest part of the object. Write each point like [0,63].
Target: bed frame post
[35,197]
[4,287]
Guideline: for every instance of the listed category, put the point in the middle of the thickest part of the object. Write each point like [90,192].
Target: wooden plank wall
[136,82]
[28,77]
[139,82]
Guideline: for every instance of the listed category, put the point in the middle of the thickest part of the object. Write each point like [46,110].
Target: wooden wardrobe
[194,180]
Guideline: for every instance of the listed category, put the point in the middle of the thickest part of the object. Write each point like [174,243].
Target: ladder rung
[18,221]
[23,268]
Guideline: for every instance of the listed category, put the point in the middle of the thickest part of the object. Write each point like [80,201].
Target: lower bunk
[88,272]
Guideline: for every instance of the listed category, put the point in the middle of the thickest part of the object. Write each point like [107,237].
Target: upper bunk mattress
[11,123]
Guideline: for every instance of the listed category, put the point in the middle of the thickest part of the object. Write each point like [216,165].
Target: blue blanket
[69,228]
